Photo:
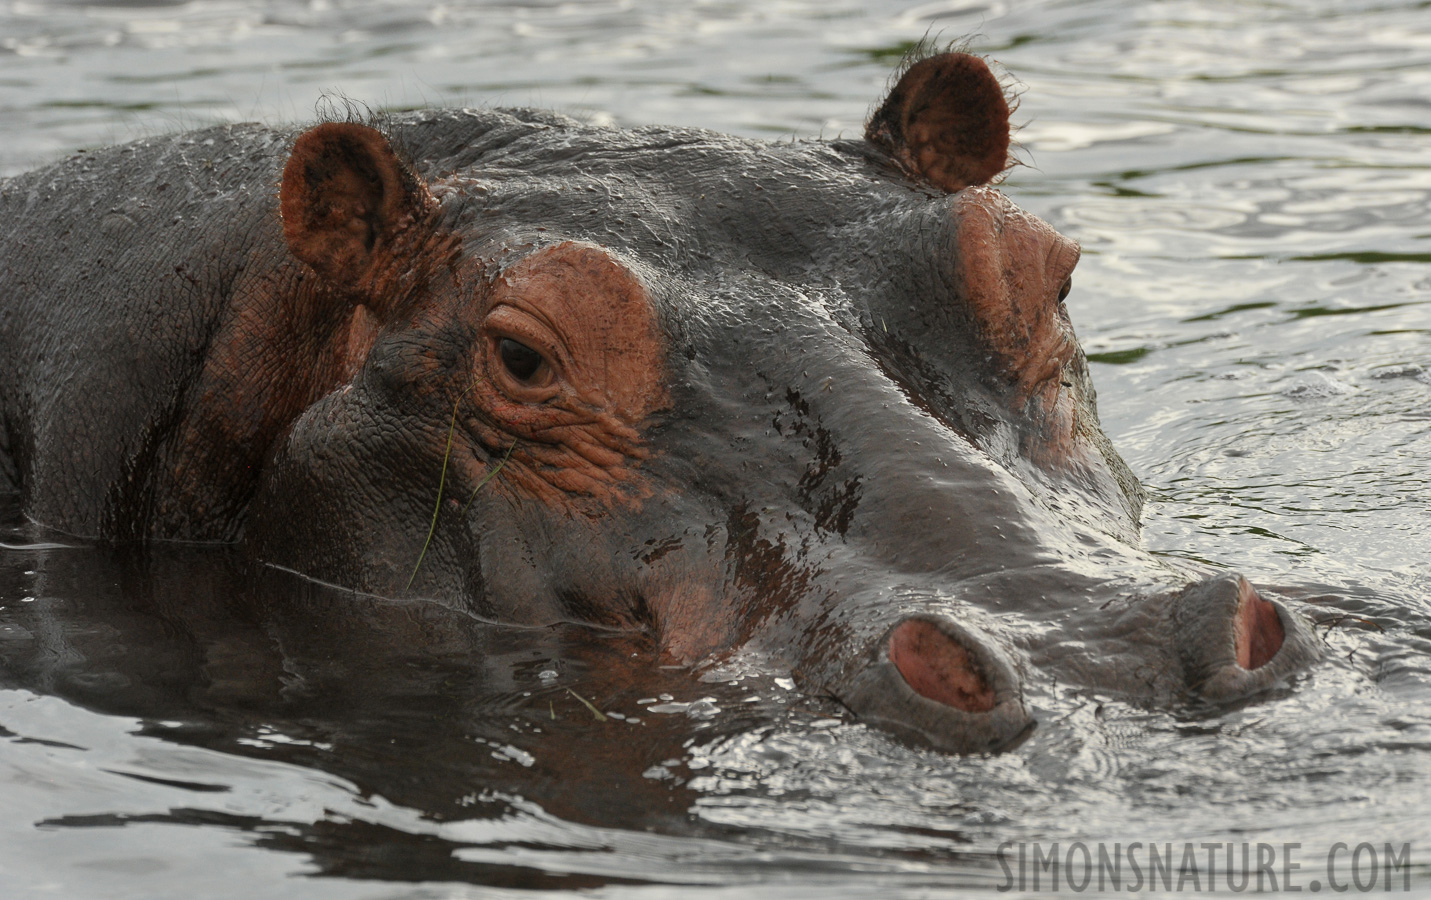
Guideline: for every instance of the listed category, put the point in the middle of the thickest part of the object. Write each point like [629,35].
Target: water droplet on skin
[704,708]
[515,754]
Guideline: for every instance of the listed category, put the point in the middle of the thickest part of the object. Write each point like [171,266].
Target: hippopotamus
[813,403]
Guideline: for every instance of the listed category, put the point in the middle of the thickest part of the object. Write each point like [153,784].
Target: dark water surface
[1250,185]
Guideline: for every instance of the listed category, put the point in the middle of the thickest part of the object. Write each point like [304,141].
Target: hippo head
[819,402]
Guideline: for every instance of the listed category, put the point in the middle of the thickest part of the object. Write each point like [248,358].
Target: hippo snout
[933,682]
[1233,642]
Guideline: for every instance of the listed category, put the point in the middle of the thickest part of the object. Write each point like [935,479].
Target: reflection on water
[1250,186]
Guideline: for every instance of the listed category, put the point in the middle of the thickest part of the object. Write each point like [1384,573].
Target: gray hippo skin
[815,403]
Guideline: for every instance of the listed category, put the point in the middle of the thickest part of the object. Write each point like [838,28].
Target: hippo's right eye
[1063,291]
[521,361]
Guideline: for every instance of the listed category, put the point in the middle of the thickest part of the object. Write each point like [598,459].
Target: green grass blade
[600,716]
[441,483]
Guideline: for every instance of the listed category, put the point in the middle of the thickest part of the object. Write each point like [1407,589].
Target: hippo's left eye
[521,361]
[1063,291]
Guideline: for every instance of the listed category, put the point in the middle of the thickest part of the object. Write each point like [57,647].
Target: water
[1250,185]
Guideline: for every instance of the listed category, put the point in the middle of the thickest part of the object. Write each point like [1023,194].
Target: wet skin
[817,404]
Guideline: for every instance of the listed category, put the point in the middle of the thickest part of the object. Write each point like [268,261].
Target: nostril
[1233,643]
[1257,630]
[937,667]
[939,683]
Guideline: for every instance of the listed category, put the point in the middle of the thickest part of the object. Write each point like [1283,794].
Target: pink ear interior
[937,667]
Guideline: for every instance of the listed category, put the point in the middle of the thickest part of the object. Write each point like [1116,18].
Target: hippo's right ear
[946,122]
[345,196]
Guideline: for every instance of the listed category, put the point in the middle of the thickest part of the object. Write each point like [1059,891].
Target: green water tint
[1231,310]
[1367,257]
[1120,357]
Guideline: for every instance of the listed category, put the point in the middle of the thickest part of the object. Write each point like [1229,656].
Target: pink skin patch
[936,667]
[1257,630]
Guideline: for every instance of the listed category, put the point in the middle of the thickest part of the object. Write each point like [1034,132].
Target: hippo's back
[114,268]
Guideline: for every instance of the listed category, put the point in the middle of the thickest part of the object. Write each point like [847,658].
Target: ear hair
[946,122]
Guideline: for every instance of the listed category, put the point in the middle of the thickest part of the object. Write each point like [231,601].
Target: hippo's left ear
[946,122]
[345,196]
